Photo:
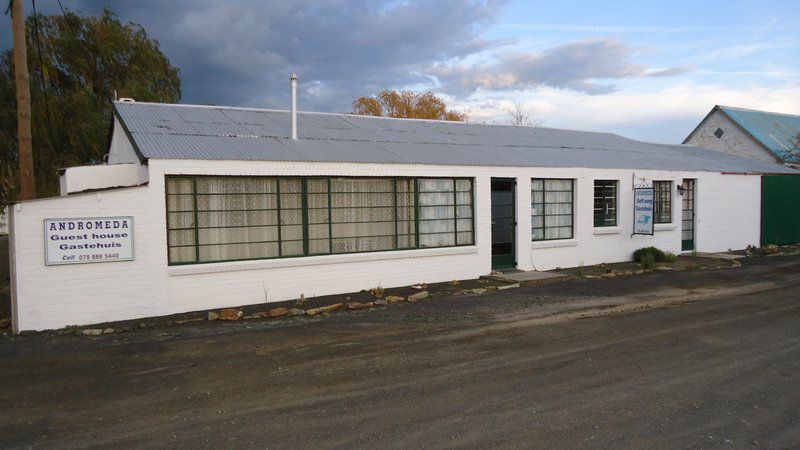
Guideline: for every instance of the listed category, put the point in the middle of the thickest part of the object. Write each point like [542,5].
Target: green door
[687,216]
[780,209]
[504,223]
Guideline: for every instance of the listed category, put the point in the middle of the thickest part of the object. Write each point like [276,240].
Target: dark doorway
[504,223]
[687,216]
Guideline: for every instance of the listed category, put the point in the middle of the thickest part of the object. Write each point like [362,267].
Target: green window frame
[552,208]
[233,218]
[605,203]
[662,209]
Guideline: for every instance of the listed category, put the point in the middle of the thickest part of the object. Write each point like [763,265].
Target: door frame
[690,188]
[505,261]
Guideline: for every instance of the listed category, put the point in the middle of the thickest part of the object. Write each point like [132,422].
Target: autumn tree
[406,105]
[76,63]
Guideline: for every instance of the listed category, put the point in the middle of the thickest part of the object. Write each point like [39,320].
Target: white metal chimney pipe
[293,84]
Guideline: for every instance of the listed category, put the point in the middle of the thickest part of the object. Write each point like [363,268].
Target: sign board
[88,240]
[643,211]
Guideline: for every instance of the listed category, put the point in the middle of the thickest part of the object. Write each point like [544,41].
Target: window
[212,219]
[551,209]
[445,212]
[662,210]
[605,203]
[719,133]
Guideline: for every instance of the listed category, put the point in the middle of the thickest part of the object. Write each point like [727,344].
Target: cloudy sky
[648,70]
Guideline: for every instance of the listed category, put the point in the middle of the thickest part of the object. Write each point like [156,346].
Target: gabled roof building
[762,135]
[205,207]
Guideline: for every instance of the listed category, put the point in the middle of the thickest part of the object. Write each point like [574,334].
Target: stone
[508,286]
[381,302]
[213,315]
[771,249]
[478,290]
[628,273]
[418,296]
[454,283]
[108,331]
[278,312]
[664,268]
[608,275]
[356,305]
[92,332]
[230,314]
[638,272]
[395,299]
[194,319]
[296,312]
[324,309]
[369,304]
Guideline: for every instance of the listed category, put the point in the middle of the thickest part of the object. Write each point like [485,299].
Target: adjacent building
[765,136]
[204,207]
[762,135]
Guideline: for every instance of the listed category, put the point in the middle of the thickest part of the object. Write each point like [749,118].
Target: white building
[762,135]
[221,207]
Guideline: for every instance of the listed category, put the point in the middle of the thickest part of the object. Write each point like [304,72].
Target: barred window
[445,212]
[552,209]
[212,219]
[605,203]
[662,191]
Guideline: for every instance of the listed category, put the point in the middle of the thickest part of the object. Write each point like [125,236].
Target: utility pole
[27,186]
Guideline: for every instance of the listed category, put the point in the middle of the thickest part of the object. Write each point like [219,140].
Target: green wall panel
[780,209]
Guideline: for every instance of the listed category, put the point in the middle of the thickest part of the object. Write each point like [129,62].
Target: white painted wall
[56,296]
[102,176]
[121,150]
[733,141]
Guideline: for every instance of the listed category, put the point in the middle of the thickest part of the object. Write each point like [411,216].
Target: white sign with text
[643,211]
[88,240]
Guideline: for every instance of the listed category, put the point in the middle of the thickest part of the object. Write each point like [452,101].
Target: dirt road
[517,368]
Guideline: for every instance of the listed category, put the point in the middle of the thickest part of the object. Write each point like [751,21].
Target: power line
[41,74]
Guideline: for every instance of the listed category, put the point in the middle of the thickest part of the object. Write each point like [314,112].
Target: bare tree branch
[518,116]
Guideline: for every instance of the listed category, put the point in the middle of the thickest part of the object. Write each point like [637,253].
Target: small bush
[657,254]
[648,259]
[670,257]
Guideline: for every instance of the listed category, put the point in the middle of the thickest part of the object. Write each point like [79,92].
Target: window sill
[306,261]
[664,227]
[608,230]
[554,243]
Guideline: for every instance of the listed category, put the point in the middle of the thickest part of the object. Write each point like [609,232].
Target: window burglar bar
[662,210]
[214,219]
[605,203]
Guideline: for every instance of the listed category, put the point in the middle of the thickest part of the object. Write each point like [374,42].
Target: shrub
[657,254]
[648,259]
[670,257]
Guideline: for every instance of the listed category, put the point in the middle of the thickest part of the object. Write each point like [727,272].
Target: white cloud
[660,113]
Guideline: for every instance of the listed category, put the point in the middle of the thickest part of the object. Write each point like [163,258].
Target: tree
[406,105]
[519,117]
[76,65]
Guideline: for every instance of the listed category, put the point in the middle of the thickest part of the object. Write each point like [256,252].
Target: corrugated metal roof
[167,131]
[778,132]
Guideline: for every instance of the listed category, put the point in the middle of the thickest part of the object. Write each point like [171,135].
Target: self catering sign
[643,211]
[88,240]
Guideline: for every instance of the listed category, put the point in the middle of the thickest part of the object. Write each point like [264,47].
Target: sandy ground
[675,359]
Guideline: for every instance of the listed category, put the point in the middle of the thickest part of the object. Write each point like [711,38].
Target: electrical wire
[41,74]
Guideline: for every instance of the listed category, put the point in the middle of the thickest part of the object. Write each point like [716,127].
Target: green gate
[780,209]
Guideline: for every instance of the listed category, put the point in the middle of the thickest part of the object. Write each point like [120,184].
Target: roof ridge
[760,111]
[364,116]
